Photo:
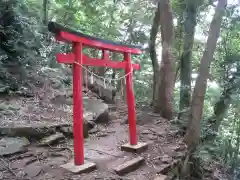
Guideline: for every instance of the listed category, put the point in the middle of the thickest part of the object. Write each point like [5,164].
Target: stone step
[129,166]
[161,177]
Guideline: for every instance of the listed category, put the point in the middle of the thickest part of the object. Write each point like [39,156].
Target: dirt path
[103,148]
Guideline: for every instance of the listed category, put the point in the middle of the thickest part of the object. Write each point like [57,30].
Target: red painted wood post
[86,79]
[78,106]
[105,55]
[130,100]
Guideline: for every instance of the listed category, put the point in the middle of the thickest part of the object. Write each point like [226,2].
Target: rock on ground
[51,139]
[10,145]
[93,109]
[68,130]
[105,92]
[41,130]
[30,131]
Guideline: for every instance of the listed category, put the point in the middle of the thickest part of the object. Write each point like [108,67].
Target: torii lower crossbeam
[78,59]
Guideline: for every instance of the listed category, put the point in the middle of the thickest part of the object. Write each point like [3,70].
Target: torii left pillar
[78,59]
[78,165]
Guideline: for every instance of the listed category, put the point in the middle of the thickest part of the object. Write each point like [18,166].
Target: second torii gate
[78,59]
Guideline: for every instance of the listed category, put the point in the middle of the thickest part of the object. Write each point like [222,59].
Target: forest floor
[165,147]
[101,147]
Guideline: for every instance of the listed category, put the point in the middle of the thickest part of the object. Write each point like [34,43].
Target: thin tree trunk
[114,56]
[179,41]
[177,73]
[152,50]
[70,3]
[185,61]
[166,82]
[45,12]
[193,132]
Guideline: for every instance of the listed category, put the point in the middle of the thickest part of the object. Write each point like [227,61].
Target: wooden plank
[161,177]
[129,166]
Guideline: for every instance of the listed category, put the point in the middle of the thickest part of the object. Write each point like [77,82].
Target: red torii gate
[77,58]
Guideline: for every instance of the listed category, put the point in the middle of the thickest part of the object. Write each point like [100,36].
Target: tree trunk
[193,132]
[185,61]
[179,39]
[45,12]
[70,3]
[166,81]
[152,50]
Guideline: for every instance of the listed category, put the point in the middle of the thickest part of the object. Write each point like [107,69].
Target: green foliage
[19,50]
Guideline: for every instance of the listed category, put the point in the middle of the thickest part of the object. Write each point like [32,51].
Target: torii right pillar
[133,145]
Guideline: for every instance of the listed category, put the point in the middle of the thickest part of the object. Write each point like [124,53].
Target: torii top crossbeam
[78,59]
[70,35]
